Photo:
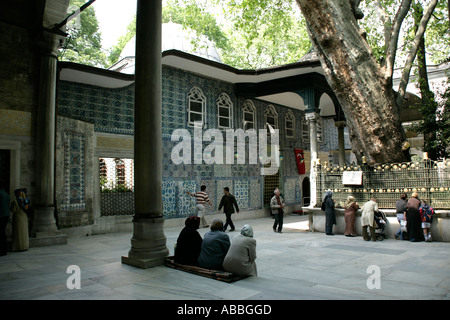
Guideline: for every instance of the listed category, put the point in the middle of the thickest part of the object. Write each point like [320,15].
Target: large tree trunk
[364,92]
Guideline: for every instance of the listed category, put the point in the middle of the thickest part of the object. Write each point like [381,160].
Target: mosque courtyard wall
[96,124]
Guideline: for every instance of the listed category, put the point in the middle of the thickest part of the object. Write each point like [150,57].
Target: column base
[44,221]
[143,264]
[44,239]
[148,244]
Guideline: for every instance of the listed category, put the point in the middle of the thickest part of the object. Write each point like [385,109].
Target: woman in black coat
[330,216]
[413,219]
[189,243]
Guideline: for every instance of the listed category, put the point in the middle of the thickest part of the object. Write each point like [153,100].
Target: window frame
[196,95]
[224,101]
[289,117]
[249,108]
[271,112]
[305,129]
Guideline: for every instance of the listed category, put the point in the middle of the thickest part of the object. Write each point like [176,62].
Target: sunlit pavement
[295,264]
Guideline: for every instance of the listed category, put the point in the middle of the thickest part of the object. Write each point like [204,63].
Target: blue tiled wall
[111,111]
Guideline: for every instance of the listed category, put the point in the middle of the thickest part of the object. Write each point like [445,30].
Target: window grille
[224,111]
[305,130]
[196,107]
[319,127]
[271,182]
[249,115]
[116,186]
[289,124]
[271,117]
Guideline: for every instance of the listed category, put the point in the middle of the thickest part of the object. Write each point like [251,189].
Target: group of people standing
[216,251]
[417,215]
[414,213]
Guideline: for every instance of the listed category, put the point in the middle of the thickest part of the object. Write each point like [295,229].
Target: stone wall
[19,69]
[19,78]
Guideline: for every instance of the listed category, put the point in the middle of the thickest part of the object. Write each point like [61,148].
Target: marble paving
[294,265]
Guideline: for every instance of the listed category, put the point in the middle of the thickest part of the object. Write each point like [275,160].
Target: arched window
[224,111]
[289,124]
[196,107]
[249,115]
[319,130]
[305,130]
[120,172]
[271,117]
[103,173]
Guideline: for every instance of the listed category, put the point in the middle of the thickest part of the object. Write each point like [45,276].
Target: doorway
[306,192]
[5,169]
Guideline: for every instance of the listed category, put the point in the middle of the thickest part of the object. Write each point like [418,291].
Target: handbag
[403,225]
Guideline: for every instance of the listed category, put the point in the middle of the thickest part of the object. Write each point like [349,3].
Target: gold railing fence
[386,182]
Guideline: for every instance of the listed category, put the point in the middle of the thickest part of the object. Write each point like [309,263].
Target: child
[426,213]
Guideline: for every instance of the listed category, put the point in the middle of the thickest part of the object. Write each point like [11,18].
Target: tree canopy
[83,43]
[247,37]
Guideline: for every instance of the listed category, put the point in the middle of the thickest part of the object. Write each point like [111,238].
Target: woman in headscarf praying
[413,219]
[350,216]
[241,256]
[189,243]
[215,246]
[330,216]
[19,208]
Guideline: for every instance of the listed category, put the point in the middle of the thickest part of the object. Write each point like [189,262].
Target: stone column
[44,225]
[341,142]
[312,121]
[148,244]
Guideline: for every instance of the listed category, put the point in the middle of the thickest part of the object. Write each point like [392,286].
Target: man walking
[228,203]
[202,198]
[277,205]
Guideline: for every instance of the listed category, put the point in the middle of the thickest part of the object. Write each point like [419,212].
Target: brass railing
[430,179]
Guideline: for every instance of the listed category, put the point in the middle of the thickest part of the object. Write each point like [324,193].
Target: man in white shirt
[202,198]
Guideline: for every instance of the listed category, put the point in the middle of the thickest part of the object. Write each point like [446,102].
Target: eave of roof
[74,72]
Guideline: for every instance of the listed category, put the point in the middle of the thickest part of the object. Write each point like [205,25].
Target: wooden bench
[212,274]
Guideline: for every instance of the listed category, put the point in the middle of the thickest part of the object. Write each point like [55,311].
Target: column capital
[340,124]
[50,42]
[312,116]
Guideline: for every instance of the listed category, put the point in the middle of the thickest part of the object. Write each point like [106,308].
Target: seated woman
[241,256]
[189,243]
[215,246]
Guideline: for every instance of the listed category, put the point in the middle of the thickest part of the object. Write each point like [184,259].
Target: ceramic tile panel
[241,193]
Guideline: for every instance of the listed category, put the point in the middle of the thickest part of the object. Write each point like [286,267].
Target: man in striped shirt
[202,198]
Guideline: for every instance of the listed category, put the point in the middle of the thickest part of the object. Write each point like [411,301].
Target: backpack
[426,213]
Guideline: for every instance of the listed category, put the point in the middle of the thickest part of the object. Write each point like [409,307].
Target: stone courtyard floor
[294,265]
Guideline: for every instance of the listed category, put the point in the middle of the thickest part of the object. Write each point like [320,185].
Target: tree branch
[391,49]
[386,24]
[413,51]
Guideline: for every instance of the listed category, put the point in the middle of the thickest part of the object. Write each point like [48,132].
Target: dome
[173,37]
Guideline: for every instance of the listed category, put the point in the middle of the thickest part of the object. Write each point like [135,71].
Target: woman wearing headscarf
[241,256]
[189,243]
[19,207]
[350,216]
[413,219]
[330,217]
[368,219]
[215,246]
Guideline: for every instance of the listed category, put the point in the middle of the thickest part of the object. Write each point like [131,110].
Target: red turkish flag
[299,158]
